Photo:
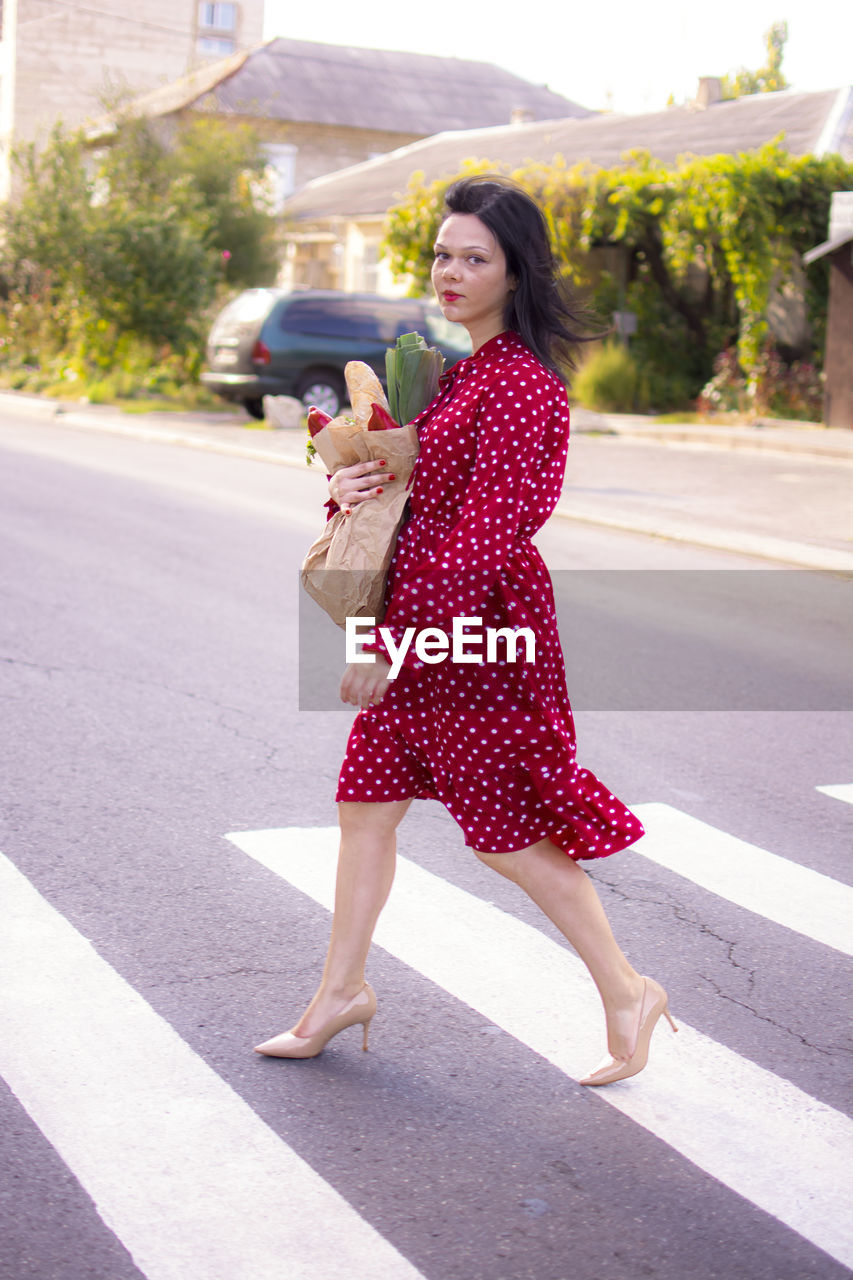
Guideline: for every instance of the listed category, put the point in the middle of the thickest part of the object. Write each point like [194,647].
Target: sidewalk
[768,435]
[782,493]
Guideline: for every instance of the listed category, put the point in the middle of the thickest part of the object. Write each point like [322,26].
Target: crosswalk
[839,791]
[194,1183]
[181,1169]
[776,888]
[736,1121]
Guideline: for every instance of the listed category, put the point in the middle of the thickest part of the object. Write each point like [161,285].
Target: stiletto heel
[360,1009]
[654,1002]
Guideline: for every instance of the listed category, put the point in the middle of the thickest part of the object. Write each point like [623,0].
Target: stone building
[58,57]
[320,107]
[336,223]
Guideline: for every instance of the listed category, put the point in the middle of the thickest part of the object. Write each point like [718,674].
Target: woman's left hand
[365,684]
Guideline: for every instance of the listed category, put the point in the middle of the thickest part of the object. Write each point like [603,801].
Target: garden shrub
[692,248]
[779,389]
[608,380]
[110,274]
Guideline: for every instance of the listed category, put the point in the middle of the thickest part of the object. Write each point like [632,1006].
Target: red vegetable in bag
[380,419]
[317,420]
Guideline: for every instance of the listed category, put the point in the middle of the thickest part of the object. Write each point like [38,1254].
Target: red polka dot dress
[494,740]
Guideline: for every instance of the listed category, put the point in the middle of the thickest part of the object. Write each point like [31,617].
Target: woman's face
[469,276]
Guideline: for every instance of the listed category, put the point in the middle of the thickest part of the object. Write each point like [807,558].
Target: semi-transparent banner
[646,640]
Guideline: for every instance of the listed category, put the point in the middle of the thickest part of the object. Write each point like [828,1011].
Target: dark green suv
[271,343]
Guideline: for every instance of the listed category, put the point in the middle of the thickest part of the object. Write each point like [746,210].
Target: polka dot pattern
[494,742]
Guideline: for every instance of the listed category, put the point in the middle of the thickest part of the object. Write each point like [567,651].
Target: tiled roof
[379,89]
[406,93]
[724,128]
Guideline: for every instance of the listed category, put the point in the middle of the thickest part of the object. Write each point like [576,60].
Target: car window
[243,314]
[342,317]
[249,306]
[444,331]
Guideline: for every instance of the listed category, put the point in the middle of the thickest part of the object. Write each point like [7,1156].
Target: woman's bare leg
[366,864]
[562,889]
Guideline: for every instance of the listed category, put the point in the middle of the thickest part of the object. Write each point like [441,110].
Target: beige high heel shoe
[360,1009]
[654,1003]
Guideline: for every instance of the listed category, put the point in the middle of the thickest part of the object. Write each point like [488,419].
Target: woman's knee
[383,818]
[537,860]
[503,863]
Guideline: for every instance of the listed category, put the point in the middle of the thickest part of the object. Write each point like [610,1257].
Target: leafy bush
[108,273]
[779,389]
[693,248]
[726,391]
[788,390]
[608,380]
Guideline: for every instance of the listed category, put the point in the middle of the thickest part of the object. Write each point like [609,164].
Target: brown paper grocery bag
[346,568]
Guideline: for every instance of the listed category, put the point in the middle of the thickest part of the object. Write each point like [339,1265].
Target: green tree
[693,248]
[766,79]
[226,168]
[44,229]
[133,244]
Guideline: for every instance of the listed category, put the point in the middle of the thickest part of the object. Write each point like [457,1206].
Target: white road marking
[839,791]
[179,1166]
[731,1118]
[773,887]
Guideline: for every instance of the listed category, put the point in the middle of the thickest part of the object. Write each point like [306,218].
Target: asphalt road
[149,676]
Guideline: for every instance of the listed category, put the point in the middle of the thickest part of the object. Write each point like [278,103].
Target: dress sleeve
[522,426]
[331,506]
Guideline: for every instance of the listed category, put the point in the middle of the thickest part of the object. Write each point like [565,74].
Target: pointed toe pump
[654,1003]
[360,1009]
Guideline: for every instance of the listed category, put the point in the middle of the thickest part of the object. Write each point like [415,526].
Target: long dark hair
[540,308]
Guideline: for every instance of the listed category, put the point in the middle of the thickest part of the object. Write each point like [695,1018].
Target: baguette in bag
[346,568]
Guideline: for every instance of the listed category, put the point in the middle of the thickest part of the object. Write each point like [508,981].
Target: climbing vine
[694,249]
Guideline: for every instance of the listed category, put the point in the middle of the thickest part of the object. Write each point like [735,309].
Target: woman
[493,741]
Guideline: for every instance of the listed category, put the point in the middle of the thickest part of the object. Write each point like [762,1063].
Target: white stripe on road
[179,1166]
[773,887]
[756,1133]
[839,791]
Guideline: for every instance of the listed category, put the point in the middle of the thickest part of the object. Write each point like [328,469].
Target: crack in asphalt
[272,749]
[224,709]
[244,971]
[780,1026]
[33,666]
[688,916]
[122,677]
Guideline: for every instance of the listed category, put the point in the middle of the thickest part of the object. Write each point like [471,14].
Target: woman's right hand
[358,483]
[365,684]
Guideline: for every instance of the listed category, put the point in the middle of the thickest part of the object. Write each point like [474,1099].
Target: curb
[762,546]
[811,440]
[818,450]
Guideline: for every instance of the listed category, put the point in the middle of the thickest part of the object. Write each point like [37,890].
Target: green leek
[412,369]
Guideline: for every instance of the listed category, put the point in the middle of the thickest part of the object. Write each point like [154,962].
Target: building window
[215,47]
[370,267]
[217,17]
[280,172]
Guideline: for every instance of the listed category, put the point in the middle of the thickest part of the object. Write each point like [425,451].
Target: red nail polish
[392,477]
[379,490]
[382,462]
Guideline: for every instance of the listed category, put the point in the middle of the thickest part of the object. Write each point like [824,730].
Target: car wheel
[255,408]
[324,390]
